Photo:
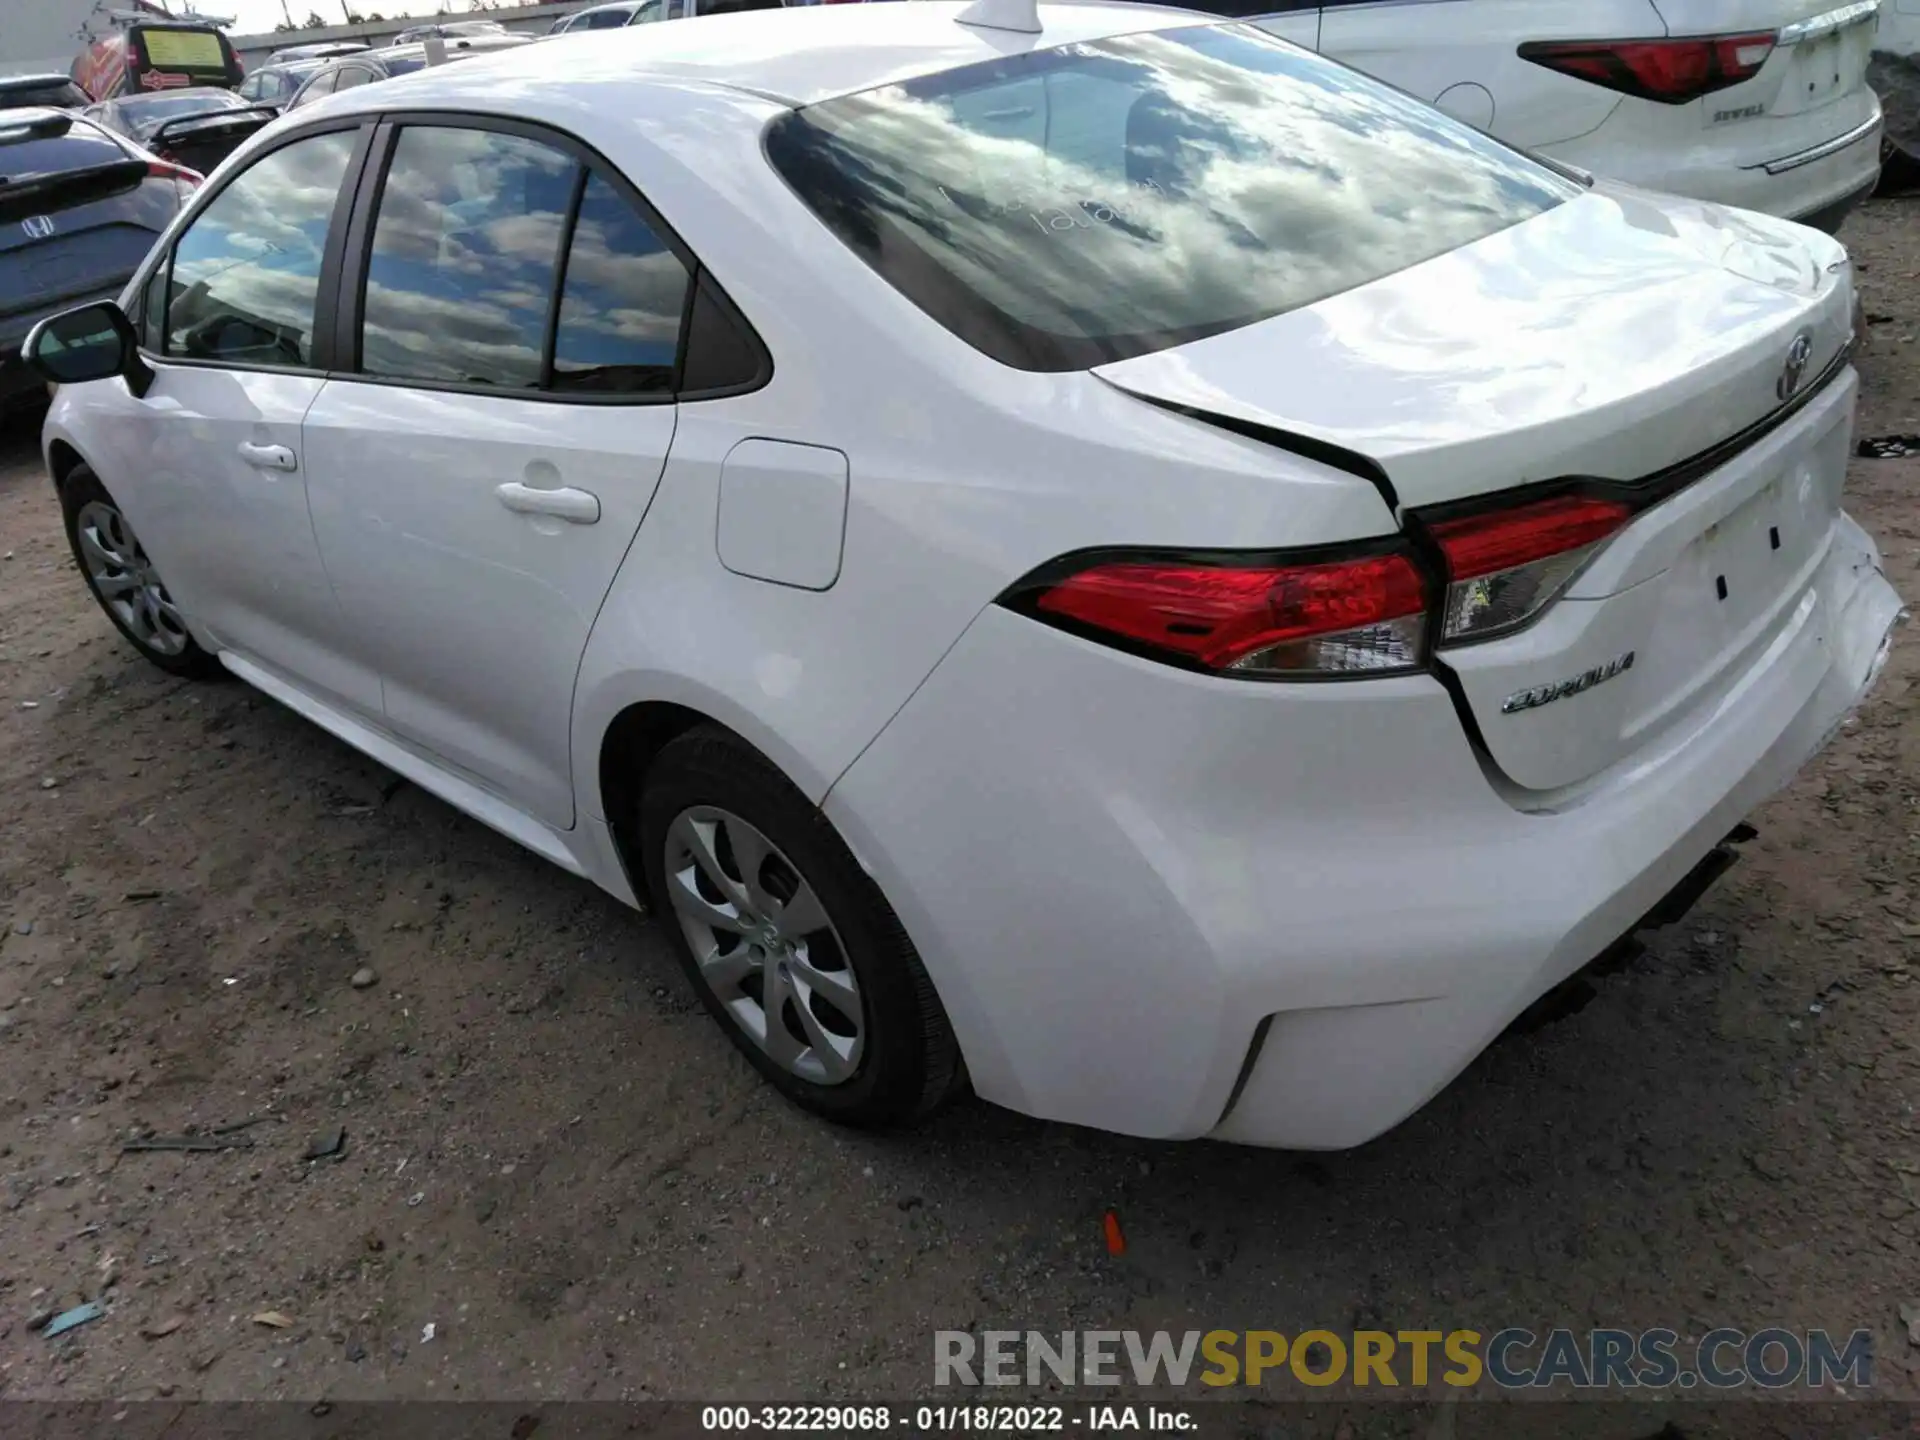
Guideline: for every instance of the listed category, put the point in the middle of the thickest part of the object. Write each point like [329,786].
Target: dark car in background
[197,127]
[321,50]
[58,91]
[147,55]
[394,60]
[79,209]
[449,30]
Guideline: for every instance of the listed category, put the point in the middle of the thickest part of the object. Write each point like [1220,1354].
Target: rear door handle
[268,457]
[578,507]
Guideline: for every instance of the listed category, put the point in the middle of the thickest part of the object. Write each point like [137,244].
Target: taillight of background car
[1669,72]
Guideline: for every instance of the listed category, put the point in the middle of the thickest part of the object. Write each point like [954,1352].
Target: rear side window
[1071,207]
[621,304]
[247,270]
[465,255]
[499,260]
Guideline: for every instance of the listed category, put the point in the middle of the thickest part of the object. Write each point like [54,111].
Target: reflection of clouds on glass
[620,313]
[245,273]
[1166,185]
[465,250]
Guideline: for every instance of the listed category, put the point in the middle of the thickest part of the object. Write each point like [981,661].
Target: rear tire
[785,937]
[125,581]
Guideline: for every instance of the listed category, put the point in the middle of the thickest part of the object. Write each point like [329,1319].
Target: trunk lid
[1620,336]
[1820,55]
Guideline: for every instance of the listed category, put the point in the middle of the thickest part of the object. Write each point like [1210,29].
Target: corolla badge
[38,227]
[1798,355]
[1560,689]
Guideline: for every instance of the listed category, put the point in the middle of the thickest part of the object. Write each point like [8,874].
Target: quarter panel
[948,502]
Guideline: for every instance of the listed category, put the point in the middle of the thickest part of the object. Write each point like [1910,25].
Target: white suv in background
[1762,104]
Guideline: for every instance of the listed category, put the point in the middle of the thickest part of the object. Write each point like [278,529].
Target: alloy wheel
[126,580]
[765,945]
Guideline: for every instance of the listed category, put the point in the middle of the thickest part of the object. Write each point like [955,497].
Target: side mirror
[90,343]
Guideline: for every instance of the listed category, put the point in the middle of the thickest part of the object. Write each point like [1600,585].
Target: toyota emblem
[1795,370]
[38,227]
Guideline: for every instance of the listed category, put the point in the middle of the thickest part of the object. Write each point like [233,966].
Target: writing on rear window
[1061,211]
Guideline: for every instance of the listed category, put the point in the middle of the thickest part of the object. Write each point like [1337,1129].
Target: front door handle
[579,507]
[268,457]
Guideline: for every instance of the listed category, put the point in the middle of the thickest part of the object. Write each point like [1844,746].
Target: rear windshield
[25,155]
[147,113]
[196,51]
[63,93]
[1070,207]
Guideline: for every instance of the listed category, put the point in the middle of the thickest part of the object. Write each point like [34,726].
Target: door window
[466,249]
[247,270]
[475,232]
[321,84]
[621,305]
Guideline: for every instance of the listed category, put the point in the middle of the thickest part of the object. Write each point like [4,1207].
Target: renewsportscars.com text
[1770,1358]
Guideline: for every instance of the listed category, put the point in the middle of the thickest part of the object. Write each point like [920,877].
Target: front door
[478,482]
[220,494]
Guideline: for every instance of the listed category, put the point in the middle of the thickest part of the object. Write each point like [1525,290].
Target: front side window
[621,305]
[465,255]
[1070,207]
[246,272]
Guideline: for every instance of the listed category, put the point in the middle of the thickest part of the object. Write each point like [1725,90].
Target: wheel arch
[62,460]
[631,742]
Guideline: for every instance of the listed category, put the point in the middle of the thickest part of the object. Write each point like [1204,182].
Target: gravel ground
[554,1161]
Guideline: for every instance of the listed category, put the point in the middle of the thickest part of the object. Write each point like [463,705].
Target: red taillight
[1361,615]
[167,170]
[1352,616]
[1504,566]
[1670,72]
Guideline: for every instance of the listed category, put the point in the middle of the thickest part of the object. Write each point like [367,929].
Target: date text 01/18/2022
[947,1419]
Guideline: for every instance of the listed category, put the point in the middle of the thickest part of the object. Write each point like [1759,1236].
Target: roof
[796,56]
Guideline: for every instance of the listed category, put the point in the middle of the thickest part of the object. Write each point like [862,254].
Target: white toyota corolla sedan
[1114,561]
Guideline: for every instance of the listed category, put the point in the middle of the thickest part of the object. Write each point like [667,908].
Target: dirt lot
[554,1160]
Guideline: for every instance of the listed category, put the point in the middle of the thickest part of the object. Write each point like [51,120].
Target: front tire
[125,581]
[790,945]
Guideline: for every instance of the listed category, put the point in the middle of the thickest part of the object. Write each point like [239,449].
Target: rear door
[478,478]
